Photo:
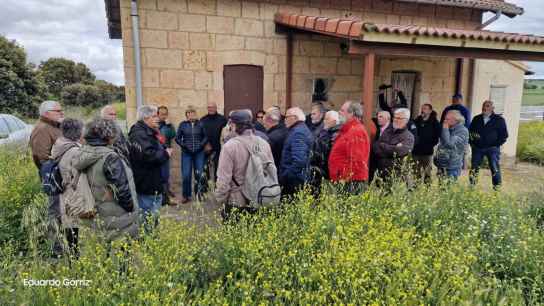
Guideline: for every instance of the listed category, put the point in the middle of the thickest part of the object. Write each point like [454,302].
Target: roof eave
[113,15]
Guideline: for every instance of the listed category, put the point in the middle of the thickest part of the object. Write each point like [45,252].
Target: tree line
[24,85]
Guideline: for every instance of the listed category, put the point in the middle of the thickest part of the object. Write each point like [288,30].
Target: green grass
[531,142]
[533,97]
[436,245]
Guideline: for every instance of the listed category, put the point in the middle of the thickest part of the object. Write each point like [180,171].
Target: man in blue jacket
[457,104]
[295,157]
[488,133]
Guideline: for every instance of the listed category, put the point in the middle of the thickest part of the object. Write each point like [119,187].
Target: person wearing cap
[233,163]
[192,138]
[295,156]
[457,104]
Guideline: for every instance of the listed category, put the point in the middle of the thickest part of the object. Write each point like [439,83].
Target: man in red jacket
[348,161]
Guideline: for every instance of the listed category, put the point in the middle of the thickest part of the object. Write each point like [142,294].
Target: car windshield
[18,122]
[3,127]
[12,124]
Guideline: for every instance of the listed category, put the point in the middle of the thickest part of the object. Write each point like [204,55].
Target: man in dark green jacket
[168,133]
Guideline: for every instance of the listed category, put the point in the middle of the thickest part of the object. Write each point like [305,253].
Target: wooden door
[243,85]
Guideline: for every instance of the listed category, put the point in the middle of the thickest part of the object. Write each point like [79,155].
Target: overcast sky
[76,29]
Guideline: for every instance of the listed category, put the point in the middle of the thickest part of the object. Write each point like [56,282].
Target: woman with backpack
[64,150]
[111,182]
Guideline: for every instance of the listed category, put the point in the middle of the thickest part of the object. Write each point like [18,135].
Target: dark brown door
[243,87]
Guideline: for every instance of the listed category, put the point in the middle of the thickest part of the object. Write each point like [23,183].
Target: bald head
[212,108]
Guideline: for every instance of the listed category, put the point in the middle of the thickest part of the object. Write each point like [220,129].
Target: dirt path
[523,178]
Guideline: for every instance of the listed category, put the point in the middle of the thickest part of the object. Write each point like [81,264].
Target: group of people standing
[129,174]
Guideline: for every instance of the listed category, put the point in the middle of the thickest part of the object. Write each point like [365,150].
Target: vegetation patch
[531,142]
[439,244]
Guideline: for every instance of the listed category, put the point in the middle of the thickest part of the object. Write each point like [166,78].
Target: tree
[60,72]
[84,95]
[21,89]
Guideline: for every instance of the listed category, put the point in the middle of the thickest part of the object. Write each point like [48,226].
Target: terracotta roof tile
[355,29]
[486,5]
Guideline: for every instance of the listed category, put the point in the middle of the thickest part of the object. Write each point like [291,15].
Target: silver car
[14,132]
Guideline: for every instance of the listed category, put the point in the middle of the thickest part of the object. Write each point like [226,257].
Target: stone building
[259,53]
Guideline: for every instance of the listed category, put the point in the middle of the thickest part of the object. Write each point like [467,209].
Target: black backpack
[51,178]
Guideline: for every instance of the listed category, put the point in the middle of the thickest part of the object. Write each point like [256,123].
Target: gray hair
[297,112]
[385,114]
[319,105]
[458,116]
[146,111]
[356,109]
[103,129]
[274,114]
[404,112]
[47,106]
[334,115]
[104,109]
[72,129]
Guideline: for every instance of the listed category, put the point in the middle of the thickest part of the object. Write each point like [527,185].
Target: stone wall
[186,43]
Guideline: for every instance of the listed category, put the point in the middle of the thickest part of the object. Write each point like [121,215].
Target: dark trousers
[351,188]
[213,157]
[423,167]
[54,226]
[493,156]
[189,162]
[165,177]
[290,187]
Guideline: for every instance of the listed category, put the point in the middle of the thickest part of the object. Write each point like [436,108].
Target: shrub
[433,245]
[531,142]
[121,109]
[84,95]
[21,192]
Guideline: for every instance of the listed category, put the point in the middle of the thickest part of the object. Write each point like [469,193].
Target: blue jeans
[190,162]
[493,156]
[149,210]
[453,174]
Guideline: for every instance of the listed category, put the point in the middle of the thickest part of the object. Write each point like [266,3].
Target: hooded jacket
[147,156]
[451,149]
[112,185]
[64,151]
[348,160]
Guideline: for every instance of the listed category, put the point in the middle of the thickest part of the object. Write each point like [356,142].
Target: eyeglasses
[260,117]
[57,110]
[400,118]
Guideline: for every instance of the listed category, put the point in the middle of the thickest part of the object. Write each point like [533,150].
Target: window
[497,94]
[321,89]
[3,127]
